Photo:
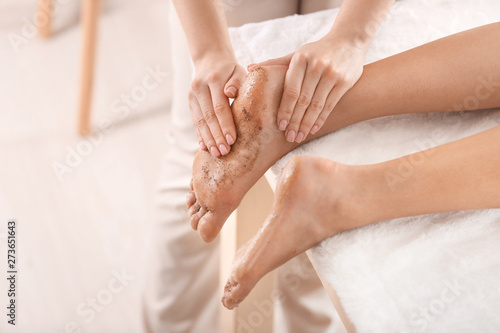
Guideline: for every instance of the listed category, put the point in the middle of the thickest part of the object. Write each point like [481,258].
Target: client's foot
[219,183]
[315,199]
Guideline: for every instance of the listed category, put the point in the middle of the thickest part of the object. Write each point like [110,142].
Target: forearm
[205,26]
[358,21]
[439,76]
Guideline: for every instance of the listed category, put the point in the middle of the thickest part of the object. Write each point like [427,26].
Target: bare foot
[219,183]
[313,201]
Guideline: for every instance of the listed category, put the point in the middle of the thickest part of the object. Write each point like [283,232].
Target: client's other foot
[314,200]
[219,183]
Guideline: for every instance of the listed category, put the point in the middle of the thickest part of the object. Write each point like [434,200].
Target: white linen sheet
[429,273]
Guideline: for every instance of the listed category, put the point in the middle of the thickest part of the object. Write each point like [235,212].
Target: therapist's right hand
[216,80]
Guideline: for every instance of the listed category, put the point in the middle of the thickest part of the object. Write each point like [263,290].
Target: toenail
[283,124]
[299,137]
[223,150]
[314,129]
[214,151]
[229,139]
[290,137]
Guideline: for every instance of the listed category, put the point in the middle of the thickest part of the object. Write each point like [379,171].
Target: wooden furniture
[90,12]
[240,227]
[45,9]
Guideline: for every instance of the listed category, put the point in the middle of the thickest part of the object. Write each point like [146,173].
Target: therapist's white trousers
[181,290]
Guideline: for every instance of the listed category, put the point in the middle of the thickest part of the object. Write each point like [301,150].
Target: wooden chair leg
[45,9]
[90,12]
[255,314]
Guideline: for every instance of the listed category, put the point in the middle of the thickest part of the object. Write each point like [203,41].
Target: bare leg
[461,175]
[454,73]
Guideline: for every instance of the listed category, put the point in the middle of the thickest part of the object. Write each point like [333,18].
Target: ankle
[375,199]
[355,202]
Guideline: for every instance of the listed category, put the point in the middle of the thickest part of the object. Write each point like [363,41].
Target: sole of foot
[219,183]
[314,200]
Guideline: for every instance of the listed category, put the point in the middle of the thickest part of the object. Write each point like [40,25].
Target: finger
[284,61]
[224,117]
[308,88]
[197,119]
[233,85]
[314,109]
[202,127]
[208,110]
[200,139]
[291,91]
[332,100]
[194,119]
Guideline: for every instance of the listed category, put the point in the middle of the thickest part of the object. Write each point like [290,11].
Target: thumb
[284,61]
[233,85]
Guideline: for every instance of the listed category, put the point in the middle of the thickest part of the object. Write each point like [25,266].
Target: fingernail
[214,151]
[283,124]
[229,139]
[314,129]
[223,149]
[232,91]
[299,137]
[290,137]
[202,145]
[249,67]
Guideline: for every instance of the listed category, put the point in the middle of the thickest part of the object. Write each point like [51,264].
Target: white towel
[431,273]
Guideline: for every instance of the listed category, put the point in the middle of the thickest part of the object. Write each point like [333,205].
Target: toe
[208,228]
[235,292]
[190,199]
[195,208]
[195,218]
[230,299]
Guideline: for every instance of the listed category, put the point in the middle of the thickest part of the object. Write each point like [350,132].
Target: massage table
[430,273]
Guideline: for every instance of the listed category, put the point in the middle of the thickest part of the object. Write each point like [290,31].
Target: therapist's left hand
[319,74]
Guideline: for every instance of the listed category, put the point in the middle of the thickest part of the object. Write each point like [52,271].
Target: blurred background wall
[84,206]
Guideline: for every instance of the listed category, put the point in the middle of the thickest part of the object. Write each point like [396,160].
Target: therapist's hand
[216,80]
[319,74]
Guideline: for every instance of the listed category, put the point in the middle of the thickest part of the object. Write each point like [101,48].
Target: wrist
[213,55]
[355,40]
[360,27]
